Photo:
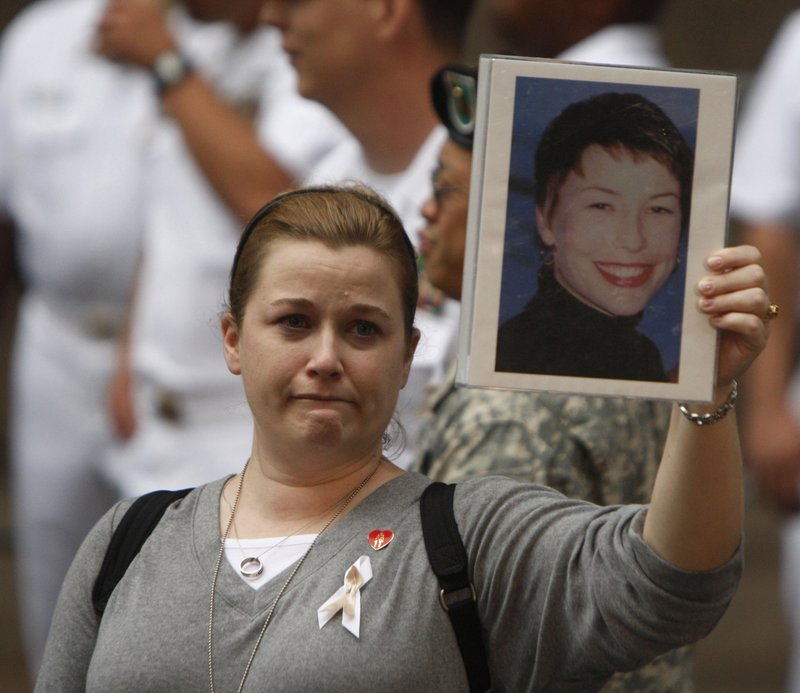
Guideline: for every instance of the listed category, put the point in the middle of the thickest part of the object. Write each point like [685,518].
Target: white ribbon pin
[347,598]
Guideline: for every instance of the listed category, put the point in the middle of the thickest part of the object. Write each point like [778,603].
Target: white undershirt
[278,554]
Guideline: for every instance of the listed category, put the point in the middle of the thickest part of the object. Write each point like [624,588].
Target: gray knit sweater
[568,592]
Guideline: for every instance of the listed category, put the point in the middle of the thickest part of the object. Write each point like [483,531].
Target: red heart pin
[380,538]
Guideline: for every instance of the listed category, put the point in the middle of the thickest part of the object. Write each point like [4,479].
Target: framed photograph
[597,192]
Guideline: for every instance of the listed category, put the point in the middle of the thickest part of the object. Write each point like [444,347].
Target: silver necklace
[297,565]
[251,567]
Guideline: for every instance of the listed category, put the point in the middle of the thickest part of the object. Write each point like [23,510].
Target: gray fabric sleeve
[569,592]
[74,627]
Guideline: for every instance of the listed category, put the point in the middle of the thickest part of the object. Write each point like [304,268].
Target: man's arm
[226,147]
[223,142]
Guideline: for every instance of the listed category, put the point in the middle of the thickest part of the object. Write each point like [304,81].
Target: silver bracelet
[713,416]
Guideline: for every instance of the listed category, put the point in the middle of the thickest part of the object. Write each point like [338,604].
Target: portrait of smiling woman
[612,187]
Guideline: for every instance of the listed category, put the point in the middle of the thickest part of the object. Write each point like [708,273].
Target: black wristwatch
[170,69]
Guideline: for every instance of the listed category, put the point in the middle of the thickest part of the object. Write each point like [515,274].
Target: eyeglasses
[441,190]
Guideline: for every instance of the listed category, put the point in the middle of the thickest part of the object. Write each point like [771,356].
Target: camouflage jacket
[605,450]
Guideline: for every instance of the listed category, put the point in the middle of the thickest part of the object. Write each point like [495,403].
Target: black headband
[258,216]
[280,199]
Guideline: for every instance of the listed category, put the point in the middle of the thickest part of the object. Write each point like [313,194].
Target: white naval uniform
[72,128]
[193,424]
[766,187]
[407,191]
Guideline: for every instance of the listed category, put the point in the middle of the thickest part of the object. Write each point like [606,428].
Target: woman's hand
[734,296]
[697,508]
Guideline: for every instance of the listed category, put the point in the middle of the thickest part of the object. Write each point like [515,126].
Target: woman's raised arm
[696,511]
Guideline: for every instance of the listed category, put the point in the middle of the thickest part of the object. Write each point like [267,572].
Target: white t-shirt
[406,190]
[275,553]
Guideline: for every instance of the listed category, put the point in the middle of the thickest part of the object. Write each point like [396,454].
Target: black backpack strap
[128,538]
[448,558]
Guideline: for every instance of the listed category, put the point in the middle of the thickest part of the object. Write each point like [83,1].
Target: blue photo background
[537,101]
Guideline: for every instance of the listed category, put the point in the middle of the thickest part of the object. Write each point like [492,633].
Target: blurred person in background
[233,133]
[72,132]
[765,200]
[581,446]
[371,64]
[75,137]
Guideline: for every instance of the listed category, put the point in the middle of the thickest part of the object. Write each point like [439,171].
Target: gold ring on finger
[772,312]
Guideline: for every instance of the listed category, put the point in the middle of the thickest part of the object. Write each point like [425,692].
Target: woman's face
[614,230]
[322,348]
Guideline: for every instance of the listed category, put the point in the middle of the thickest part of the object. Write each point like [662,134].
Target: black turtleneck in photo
[556,334]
